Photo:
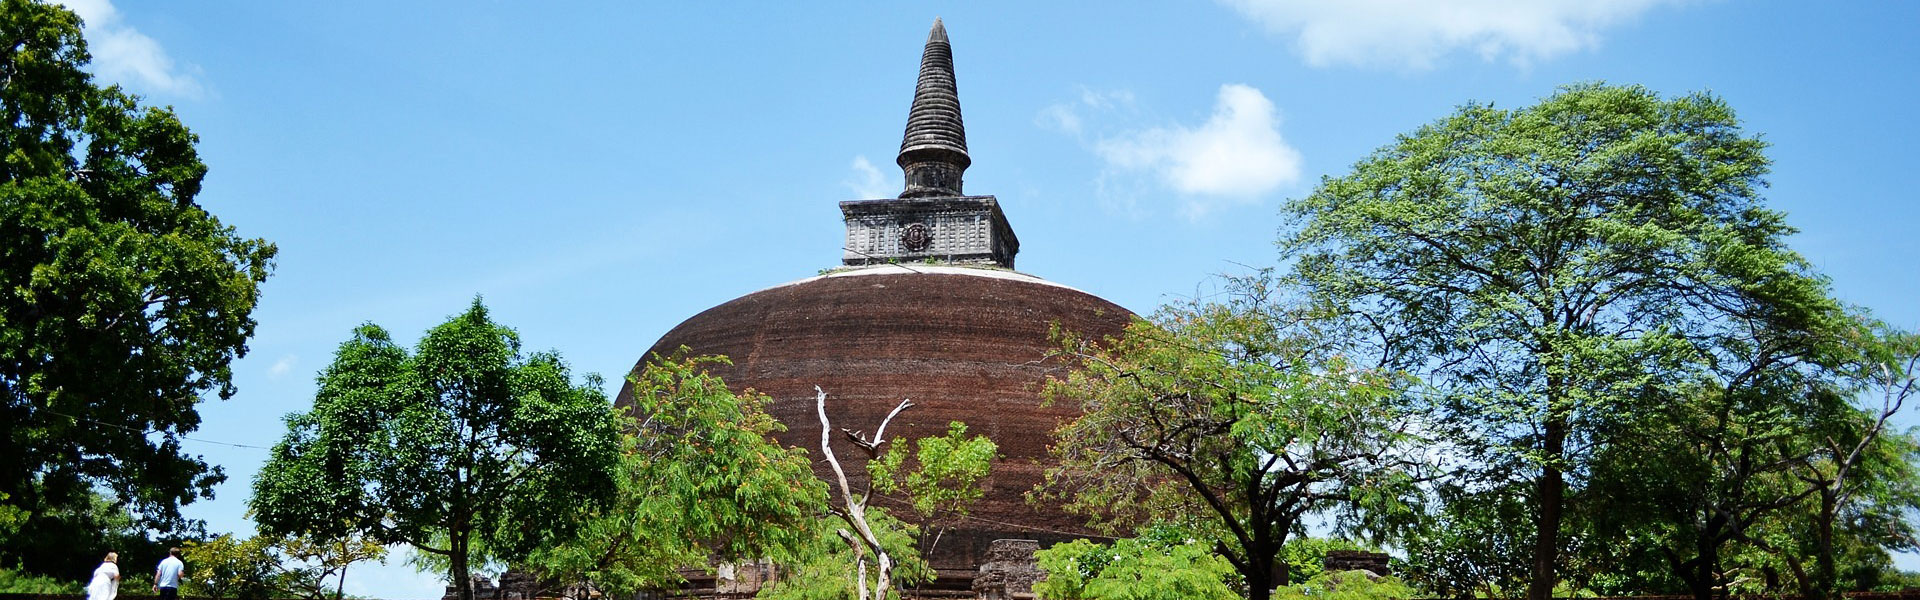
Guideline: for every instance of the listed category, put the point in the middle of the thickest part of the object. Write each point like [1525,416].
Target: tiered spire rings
[934,151]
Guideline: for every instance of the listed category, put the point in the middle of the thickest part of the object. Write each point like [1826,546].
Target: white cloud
[1062,117]
[1236,156]
[1416,33]
[868,182]
[122,54]
[281,367]
[1066,117]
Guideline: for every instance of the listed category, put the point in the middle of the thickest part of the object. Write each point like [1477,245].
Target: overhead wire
[153,431]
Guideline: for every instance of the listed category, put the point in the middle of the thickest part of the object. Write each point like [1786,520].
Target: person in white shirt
[166,577]
[106,579]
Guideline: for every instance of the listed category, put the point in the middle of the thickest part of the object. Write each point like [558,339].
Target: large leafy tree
[1234,416]
[464,448]
[1768,441]
[122,301]
[1552,267]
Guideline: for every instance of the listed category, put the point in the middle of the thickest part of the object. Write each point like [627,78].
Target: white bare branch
[862,538]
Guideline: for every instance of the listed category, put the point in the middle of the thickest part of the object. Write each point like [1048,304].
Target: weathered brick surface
[968,348]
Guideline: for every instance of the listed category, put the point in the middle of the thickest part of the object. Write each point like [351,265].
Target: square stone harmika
[950,229]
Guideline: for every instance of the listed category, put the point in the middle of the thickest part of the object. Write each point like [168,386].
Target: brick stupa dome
[927,307]
[965,344]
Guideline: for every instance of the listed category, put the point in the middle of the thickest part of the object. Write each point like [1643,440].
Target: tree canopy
[700,479]
[1557,272]
[1234,418]
[262,567]
[122,301]
[464,448]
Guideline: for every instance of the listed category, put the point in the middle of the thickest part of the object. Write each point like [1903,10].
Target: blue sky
[600,171]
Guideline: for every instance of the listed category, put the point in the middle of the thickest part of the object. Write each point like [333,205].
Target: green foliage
[1895,580]
[945,482]
[700,478]
[951,467]
[1557,269]
[11,517]
[226,567]
[1471,546]
[68,541]
[262,567]
[1234,416]
[464,448]
[1346,585]
[1134,569]
[13,581]
[826,568]
[1775,482]
[122,301]
[1069,567]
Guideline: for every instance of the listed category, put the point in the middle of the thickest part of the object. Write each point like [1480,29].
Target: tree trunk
[1699,587]
[1550,493]
[1260,577]
[1261,553]
[1701,575]
[462,580]
[1825,573]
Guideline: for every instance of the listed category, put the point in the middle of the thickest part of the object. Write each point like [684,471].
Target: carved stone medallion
[916,237]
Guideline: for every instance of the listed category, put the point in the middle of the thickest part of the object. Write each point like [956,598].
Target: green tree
[318,560]
[262,567]
[1863,477]
[1235,416]
[1707,467]
[939,477]
[1549,268]
[230,567]
[700,479]
[465,448]
[122,301]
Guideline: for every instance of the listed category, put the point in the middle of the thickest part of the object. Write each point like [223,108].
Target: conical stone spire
[934,151]
[931,221]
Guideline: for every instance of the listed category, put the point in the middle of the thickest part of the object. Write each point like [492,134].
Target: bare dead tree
[858,533]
